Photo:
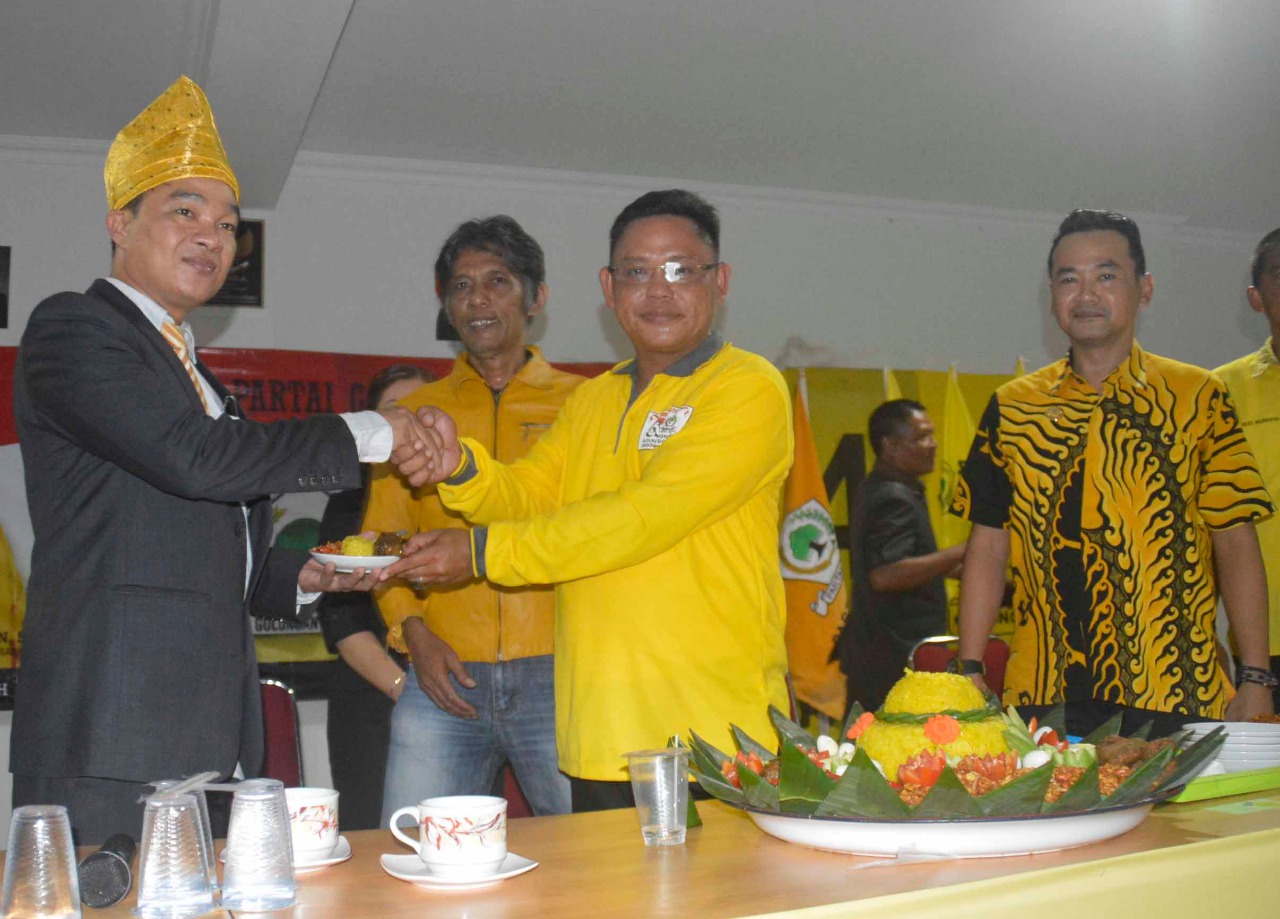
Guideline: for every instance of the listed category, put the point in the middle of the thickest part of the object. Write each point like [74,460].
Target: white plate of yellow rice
[970,837]
[348,563]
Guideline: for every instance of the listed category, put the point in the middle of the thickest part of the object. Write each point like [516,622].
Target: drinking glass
[660,782]
[173,880]
[40,879]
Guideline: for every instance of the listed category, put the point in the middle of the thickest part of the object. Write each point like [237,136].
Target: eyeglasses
[673,272]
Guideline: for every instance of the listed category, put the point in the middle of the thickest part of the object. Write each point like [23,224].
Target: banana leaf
[802,783]
[1082,796]
[748,744]
[1106,729]
[706,758]
[1141,782]
[758,792]
[863,792]
[789,732]
[717,787]
[1024,795]
[691,817]
[949,798]
[1191,760]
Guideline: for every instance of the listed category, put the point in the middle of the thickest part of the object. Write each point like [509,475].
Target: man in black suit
[148,499]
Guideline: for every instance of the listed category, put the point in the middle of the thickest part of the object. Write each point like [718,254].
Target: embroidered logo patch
[661,425]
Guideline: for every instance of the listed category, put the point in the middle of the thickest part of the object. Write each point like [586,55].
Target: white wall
[350,250]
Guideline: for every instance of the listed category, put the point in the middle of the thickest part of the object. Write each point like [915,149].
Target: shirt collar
[687,365]
[1131,374]
[156,314]
[536,371]
[1264,359]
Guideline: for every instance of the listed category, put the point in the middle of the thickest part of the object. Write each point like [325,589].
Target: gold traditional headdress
[173,138]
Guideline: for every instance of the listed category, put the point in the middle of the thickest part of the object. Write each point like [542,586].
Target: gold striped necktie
[178,342]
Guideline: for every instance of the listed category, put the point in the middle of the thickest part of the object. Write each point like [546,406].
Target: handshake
[426,453]
[425,449]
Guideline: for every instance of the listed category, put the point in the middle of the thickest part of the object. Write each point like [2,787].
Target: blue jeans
[434,753]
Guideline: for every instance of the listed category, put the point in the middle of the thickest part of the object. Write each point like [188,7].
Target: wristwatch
[966,666]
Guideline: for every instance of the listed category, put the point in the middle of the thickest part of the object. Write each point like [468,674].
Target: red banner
[272,384]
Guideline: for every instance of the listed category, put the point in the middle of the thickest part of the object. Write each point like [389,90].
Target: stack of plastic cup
[206,827]
[40,870]
[258,874]
[173,881]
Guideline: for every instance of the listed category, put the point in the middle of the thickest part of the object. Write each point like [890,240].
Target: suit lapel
[112,296]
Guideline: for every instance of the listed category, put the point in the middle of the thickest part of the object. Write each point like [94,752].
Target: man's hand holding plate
[434,557]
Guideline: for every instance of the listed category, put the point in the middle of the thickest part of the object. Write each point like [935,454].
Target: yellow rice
[357,545]
[891,745]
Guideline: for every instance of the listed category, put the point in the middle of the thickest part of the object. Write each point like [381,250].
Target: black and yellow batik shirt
[1109,498]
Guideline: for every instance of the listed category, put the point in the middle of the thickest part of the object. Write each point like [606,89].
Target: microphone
[107,875]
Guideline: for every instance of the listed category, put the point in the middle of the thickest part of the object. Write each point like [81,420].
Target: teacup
[460,835]
[313,822]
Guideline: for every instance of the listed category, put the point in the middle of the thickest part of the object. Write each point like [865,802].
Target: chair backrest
[932,655]
[283,756]
[517,803]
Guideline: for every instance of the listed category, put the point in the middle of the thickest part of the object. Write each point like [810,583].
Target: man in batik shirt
[1115,481]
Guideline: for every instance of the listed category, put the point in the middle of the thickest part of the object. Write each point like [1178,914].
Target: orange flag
[817,595]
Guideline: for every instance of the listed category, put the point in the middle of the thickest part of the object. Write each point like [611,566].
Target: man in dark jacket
[148,499]
[897,568]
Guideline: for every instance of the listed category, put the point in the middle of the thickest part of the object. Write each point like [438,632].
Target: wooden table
[1217,857]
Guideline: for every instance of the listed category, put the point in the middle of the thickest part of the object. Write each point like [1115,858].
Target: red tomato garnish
[995,766]
[819,759]
[730,772]
[925,768]
[752,761]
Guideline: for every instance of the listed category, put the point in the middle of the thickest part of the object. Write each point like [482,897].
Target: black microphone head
[107,875]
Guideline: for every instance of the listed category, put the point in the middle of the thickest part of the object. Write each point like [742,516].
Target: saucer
[340,854]
[410,868]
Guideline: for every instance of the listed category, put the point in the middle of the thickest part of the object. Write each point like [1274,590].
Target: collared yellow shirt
[656,515]
[1254,383]
[1109,498]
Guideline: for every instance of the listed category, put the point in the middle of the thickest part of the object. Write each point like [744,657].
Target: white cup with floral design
[459,835]
[313,822]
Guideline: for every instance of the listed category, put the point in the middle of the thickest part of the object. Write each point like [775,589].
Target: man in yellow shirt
[652,504]
[1120,485]
[481,686]
[1254,383]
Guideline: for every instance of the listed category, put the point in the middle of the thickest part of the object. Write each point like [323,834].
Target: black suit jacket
[138,660]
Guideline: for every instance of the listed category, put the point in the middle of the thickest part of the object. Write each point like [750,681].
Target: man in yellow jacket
[652,504]
[481,687]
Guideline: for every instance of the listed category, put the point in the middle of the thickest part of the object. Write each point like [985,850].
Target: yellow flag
[953,449]
[817,595]
[13,607]
[891,388]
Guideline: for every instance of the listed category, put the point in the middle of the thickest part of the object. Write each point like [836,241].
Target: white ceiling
[1167,107]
